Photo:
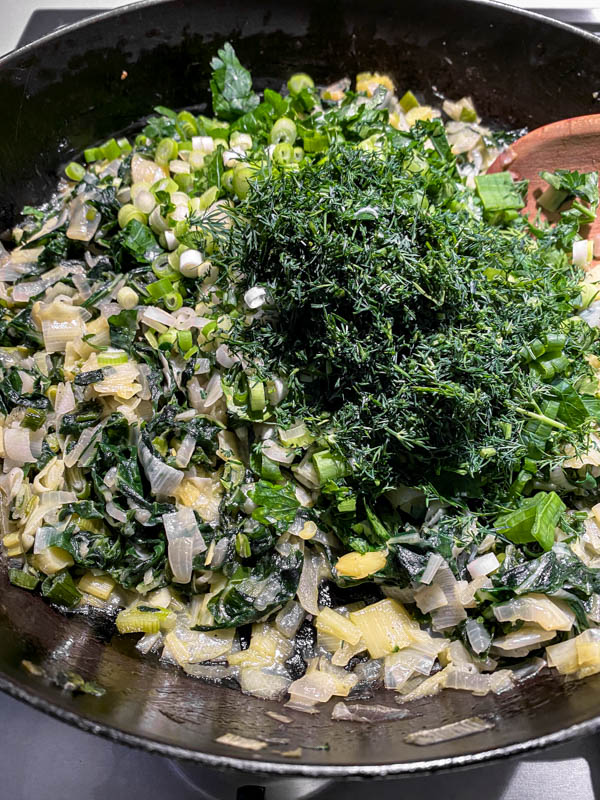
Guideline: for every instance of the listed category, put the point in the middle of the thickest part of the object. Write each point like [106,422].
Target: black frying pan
[89,82]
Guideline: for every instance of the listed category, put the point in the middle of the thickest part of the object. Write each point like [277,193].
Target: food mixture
[297,396]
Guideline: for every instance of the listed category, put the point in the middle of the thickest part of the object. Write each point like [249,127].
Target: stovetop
[45,759]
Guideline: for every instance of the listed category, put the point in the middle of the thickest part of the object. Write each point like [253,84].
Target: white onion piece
[224,356]
[57,333]
[10,484]
[186,318]
[156,318]
[255,297]
[22,292]
[49,501]
[528,669]
[353,712]
[312,688]
[527,638]
[84,221]
[184,542]
[185,416]
[19,263]
[434,562]
[85,447]
[478,637]
[220,552]
[583,252]
[205,144]
[17,446]
[110,479]
[149,642]
[36,441]
[467,679]
[65,399]
[289,619]
[308,586]
[82,285]
[27,381]
[170,240]
[277,390]
[157,222]
[186,450]
[263,683]
[163,479]
[549,614]
[483,565]
[144,170]
[189,261]
[91,260]
[445,733]
[203,366]
[115,512]
[107,307]
[450,615]
[213,391]
[274,451]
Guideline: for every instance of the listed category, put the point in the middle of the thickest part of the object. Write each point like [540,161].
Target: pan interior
[88,83]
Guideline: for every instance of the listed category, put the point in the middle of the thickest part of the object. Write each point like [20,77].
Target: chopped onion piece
[186,450]
[583,252]
[275,452]
[353,712]
[58,333]
[312,688]
[478,637]
[455,730]
[313,569]
[289,619]
[255,297]
[224,357]
[434,562]
[451,614]
[17,445]
[529,637]
[156,318]
[84,221]
[115,512]
[65,399]
[163,479]
[233,740]
[184,542]
[483,565]
[263,683]
[428,598]
[548,613]
[85,448]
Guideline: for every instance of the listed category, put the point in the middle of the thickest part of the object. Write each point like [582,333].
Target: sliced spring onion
[144,620]
[74,171]
[61,589]
[25,580]
[110,358]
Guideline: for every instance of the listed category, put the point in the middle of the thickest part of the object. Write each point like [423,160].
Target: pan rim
[258,766]
[297,770]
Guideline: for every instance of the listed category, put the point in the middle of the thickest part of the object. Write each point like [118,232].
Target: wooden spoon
[572,144]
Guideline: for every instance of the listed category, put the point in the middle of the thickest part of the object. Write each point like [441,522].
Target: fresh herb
[231,85]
